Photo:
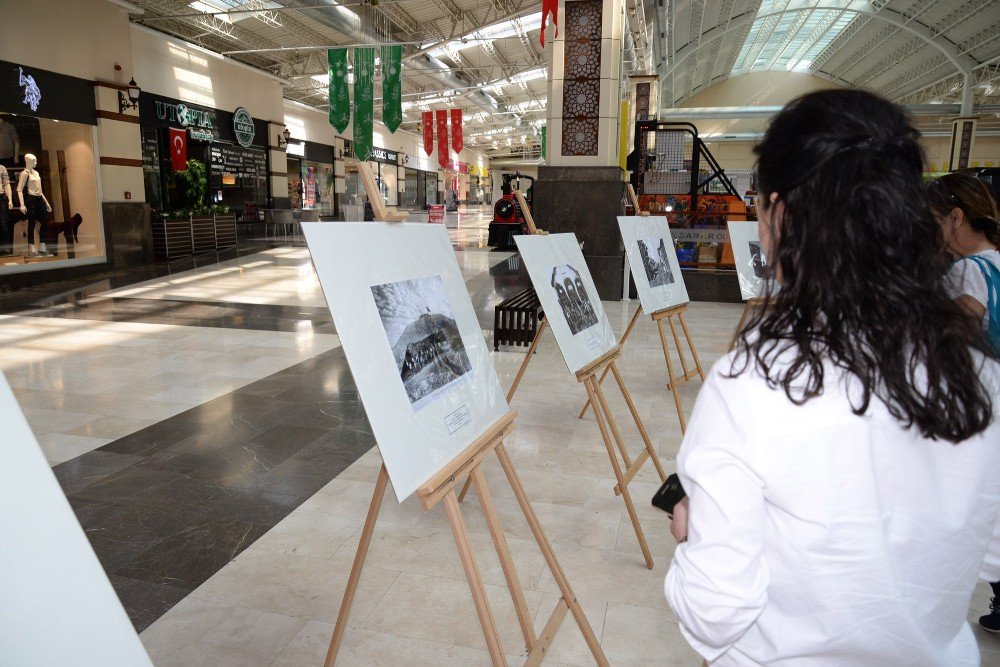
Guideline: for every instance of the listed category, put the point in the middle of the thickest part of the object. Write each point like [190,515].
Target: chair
[285,219]
[310,215]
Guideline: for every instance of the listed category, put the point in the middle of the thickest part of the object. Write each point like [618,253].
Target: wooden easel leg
[739,327]
[483,609]
[673,379]
[628,331]
[568,596]
[506,561]
[612,424]
[592,392]
[677,344]
[638,422]
[359,563]
[513,388]
[690,342]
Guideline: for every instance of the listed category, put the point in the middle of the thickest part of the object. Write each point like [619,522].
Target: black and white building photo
[573,299]
[654,259]
[758,261]
[423,334]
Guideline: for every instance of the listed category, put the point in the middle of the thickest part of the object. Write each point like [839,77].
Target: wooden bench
[516,320]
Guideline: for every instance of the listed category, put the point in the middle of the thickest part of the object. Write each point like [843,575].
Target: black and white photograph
[423,334]
[573,299]
[758,261]
[654,259]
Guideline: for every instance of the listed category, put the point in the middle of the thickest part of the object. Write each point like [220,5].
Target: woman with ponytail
[840,464]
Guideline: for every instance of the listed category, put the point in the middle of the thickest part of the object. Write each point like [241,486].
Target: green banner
[340,99]
[392,86]
[364,101]
[544,128]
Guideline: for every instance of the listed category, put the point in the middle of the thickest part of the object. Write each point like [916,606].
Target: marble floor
[207,431]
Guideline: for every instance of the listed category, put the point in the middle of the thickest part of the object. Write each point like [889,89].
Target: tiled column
[339,174]
[580,188]
[279,166]
[963,135]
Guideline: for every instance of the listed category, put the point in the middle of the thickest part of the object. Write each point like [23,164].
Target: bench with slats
[516,320]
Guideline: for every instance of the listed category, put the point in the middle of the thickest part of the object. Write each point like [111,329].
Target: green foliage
[192,185]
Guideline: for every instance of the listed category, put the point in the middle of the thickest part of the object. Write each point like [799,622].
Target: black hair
[858,255]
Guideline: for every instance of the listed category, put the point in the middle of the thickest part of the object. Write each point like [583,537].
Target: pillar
[279,166]
[580,188]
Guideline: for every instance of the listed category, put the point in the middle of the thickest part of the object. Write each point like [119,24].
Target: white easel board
[568,296]
[56,603]
[752,268]
[412,340]
[653,260]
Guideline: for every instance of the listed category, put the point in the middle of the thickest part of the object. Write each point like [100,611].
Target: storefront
[419,189]
[232,147]
[311,177]
[384,166]
[48,147]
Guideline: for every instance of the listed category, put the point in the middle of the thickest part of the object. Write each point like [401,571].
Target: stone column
[963,135]
[128,235]
[580,187]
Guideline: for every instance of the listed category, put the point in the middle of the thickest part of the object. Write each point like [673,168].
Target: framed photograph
[63,610]
[752,268]
[653,262]
[412,340]
[568,296]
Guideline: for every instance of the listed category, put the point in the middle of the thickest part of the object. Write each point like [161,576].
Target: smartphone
[669,494]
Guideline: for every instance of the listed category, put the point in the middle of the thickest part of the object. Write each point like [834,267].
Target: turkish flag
[550,8]
[456,130]
[178,149]
[442,123]
[427,121]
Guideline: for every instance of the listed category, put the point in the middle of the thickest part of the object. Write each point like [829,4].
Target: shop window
[64,177]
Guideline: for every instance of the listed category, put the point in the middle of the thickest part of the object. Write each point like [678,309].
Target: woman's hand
[679,525]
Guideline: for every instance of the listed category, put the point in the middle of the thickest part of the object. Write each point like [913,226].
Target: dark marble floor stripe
[168,506]
[215,314]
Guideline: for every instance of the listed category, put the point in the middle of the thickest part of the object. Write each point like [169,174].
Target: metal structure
[484,56]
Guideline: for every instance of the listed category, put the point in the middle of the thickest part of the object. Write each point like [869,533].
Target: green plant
[192,185]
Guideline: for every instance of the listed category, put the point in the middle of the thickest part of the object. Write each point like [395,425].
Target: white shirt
[966,278]
[818,537]
[33,180]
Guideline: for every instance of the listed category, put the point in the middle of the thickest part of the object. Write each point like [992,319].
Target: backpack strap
[992,275]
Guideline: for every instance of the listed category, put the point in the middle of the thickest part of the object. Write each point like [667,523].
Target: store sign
[185,116]
[65,97]
[200,135]
[705,235]
[295,148]
[243,127]
[384,155]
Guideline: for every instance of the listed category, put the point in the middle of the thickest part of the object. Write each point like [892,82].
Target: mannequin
[10,144]
[32,205]
[6,239]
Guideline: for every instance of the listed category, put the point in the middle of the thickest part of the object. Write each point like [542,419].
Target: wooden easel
[529,220]
[382,212]
[752,304]
[635,201]
[668,314]
[441,487]
[608,427]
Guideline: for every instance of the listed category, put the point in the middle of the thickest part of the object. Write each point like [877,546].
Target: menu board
[239,161]
[150,153]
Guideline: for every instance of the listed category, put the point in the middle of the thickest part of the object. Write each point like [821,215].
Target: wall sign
[36,92]
[243,127]
[202,123]
[384,155]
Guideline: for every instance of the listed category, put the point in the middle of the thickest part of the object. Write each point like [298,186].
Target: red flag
[456,130]
[442,123]
[427,121]
[178,149]
[549,7]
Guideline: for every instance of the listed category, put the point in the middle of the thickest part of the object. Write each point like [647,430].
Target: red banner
[549,7]
[178,149]
[427,121]
[442,123]
[456,130]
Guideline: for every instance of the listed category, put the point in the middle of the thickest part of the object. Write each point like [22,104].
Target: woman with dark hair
[840,465]
[964,208]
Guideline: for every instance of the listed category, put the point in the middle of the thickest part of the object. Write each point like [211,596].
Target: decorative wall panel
[642,101]
[582,83]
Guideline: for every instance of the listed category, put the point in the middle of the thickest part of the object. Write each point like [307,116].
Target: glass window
[65,178]
[411,190]
[317,187]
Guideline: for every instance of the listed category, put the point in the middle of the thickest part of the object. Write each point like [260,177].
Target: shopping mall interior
[277,374]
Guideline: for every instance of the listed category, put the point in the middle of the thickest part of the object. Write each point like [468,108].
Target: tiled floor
[207,431]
